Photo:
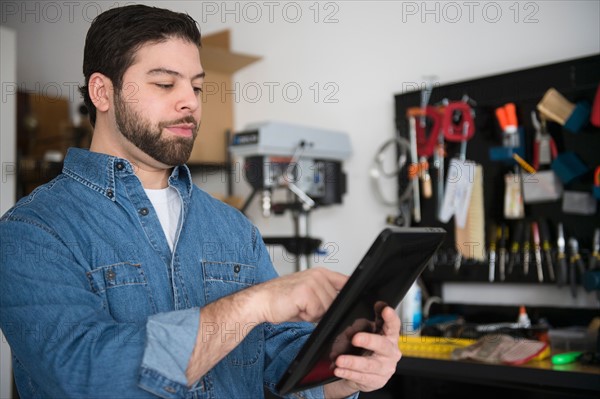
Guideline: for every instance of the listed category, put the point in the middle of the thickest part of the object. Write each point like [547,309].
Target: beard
[149,138]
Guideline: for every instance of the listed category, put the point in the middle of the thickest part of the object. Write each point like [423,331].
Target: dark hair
[116,35]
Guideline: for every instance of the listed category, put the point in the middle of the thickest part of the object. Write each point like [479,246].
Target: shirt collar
[99,171]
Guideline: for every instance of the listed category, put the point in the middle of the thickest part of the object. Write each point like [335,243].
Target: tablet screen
[384,275]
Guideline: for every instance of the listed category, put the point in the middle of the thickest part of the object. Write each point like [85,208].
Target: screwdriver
[561,256]
[492,254]
[503,237]
[515,246]
[537,250]
[546,248]
[526,245]
[595,257]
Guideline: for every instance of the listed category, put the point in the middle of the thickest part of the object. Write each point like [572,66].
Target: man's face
[158,108]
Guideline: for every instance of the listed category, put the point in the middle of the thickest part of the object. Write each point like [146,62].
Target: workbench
[423,376]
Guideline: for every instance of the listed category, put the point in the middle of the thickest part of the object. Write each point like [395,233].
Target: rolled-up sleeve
[170,340]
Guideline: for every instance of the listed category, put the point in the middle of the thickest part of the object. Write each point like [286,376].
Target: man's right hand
[300,296]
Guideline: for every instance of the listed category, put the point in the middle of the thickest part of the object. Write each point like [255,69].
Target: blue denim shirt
[94,304]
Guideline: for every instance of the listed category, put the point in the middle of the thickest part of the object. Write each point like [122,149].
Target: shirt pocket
[124,289]
[225,278]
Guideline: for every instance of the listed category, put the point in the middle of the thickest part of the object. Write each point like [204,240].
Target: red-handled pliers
[544,148]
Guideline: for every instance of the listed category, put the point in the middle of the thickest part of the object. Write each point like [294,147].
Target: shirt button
[144,211]
[120,165]
[110,275]
[109,193]
[237,268]
[169,389]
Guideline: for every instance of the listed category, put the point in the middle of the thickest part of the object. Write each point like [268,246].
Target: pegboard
[577,80]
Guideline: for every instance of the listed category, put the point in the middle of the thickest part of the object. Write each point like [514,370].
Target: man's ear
[100,90]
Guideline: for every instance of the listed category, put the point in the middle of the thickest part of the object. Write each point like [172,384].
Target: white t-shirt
[167,204]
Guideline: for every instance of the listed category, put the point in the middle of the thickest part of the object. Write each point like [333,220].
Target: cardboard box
[220,64]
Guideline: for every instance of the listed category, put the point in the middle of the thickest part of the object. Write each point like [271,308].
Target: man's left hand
[372,372]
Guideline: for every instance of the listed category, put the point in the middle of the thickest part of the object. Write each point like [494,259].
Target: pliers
[544,147]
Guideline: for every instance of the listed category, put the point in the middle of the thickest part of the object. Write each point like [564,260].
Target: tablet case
[391,265]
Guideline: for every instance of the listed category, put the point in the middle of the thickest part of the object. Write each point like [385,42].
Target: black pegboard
[577,80]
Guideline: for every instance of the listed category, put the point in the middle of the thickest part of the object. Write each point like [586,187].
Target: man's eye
[164,86]
[197,90]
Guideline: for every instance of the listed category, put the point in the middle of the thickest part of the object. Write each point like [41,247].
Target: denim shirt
[94,304]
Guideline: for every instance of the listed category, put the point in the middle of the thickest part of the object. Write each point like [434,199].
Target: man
[122,279]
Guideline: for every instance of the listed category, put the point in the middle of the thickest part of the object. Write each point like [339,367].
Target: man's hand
[300,296]
[372,372]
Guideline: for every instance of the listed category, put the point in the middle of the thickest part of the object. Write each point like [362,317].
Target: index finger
[337,280]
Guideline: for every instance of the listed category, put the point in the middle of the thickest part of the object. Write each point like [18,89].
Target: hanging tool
[514,257]
[596,187]
[426,143]
[523,163]
[502,251]
[595,256]
[457,260]
[492,252]
[457,114]
[575,265]
[459,183]
[413,155]
[507,118]
[561,256]
[513,195]
[544,146]
[526,247]
[545,236]
[439,157]
[425,96]
[537,250]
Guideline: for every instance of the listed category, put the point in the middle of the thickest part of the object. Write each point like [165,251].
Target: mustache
[185,119]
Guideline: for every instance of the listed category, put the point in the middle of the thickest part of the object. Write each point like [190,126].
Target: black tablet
[384,275]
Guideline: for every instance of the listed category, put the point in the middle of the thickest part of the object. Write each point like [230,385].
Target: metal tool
[561,256]
[456,115]
[514,256]
[544,146]
[412,123]
[575,265]
[502,250]
[457,260]
[545,236]
[537,250]
[426,143]
[492,252]
[526,248]
[507,118]
[595,256]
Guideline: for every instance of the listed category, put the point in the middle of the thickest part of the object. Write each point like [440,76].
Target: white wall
[367,51]
[8,74]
